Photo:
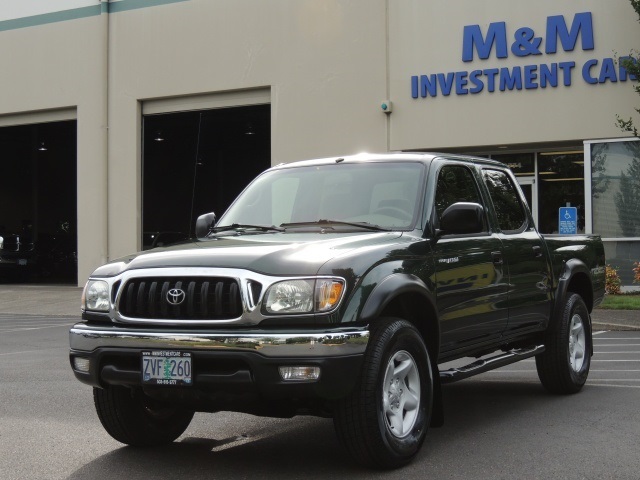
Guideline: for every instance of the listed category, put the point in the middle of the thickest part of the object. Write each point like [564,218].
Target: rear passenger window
[455,184]
[509,209]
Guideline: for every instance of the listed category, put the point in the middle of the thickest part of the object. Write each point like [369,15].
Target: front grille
[204,299]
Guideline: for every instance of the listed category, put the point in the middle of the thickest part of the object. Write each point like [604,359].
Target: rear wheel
[384,421]
[564,365]
[131,417]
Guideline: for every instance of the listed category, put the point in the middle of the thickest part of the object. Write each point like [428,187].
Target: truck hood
[270,253]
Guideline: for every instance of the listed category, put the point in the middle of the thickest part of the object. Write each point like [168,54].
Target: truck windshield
[380,194]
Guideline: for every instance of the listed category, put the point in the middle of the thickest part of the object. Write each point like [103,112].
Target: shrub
[636,272]
[612,282]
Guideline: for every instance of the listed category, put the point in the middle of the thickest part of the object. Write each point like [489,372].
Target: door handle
[537,251]
[496,257]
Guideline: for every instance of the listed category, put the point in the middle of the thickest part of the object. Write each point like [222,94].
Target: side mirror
[204,224]
[462,218]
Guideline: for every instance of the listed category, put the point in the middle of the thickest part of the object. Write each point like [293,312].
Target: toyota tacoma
[339,287]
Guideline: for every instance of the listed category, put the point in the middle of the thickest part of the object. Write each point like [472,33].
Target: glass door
[528,186]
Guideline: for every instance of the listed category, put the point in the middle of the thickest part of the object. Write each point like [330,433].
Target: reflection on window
[509,210]
[622,255]
[455,184]
[615,181]
[561,184]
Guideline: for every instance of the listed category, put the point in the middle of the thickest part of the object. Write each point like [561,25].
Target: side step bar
[480,366]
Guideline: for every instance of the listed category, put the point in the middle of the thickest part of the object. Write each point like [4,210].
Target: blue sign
[568,221]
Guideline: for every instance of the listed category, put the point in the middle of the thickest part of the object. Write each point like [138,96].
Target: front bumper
[226,364]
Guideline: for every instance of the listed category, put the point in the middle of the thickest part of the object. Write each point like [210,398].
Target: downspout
[105,125]
[387,73]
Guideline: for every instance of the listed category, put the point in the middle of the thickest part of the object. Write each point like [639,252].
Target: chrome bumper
[330,342]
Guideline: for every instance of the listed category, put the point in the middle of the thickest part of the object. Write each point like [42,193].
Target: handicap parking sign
[568,221]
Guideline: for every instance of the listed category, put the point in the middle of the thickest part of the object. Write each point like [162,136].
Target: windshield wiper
[327,223]
[242,227]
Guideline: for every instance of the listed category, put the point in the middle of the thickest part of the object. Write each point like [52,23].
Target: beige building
[121,120]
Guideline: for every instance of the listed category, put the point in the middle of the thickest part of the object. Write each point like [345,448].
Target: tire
[384,421]
[132,418]
[564,365]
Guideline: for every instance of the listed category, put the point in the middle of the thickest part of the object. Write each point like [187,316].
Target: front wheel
[383,422]
[131,417]
[564,365]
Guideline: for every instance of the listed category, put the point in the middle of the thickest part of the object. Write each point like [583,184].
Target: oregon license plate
[166,367]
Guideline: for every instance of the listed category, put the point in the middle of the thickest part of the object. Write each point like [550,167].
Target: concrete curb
[628,320]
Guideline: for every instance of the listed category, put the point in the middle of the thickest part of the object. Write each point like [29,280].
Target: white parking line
[617,338]
[613,386]
[618,380]
[24,329]
[607,353]
[32,351]
[627,360]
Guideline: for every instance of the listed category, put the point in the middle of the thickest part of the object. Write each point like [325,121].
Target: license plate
[22,261]
[166,367]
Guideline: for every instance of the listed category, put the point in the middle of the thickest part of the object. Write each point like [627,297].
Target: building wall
[427,38]
[327,65]
[55,70]
[324,63]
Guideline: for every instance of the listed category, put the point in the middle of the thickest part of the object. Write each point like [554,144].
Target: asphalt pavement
[64,300]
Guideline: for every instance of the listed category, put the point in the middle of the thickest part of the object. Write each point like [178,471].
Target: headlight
[304,296]
[291,296]
[96,296]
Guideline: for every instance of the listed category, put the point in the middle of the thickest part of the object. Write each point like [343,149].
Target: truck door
[525,255]
[470,280]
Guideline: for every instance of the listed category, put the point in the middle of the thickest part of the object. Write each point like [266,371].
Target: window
[455,184]
[615,188]
[561,184]
[508,207]
[378,193]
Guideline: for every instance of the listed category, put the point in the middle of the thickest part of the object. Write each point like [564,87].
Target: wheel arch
[406,296]
[575,278]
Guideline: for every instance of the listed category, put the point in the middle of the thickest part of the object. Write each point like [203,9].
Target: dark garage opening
[38,203]
[198,162]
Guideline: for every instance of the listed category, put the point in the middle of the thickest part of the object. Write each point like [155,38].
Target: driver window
[455,184]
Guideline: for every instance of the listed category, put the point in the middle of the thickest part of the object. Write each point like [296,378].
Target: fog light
[297,374]
[81,364]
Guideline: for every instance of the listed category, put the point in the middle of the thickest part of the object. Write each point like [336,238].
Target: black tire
[372,422]
[131,417]
[564,365]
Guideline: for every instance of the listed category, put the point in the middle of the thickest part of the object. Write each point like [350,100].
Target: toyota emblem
[175,296]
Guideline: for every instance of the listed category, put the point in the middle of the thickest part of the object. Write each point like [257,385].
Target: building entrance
[528,186]
[38,203]
[198,162]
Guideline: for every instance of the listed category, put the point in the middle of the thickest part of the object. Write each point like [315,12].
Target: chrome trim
[329,342]
[251,308]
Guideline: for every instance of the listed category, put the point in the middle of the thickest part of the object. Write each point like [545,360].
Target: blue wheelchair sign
[568,221]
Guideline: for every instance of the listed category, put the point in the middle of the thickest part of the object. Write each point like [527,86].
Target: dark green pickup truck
[338,287]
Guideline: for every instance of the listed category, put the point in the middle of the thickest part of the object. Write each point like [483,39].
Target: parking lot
[501,424]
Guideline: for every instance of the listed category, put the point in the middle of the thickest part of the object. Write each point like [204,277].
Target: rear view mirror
[462,218]
[204,223]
